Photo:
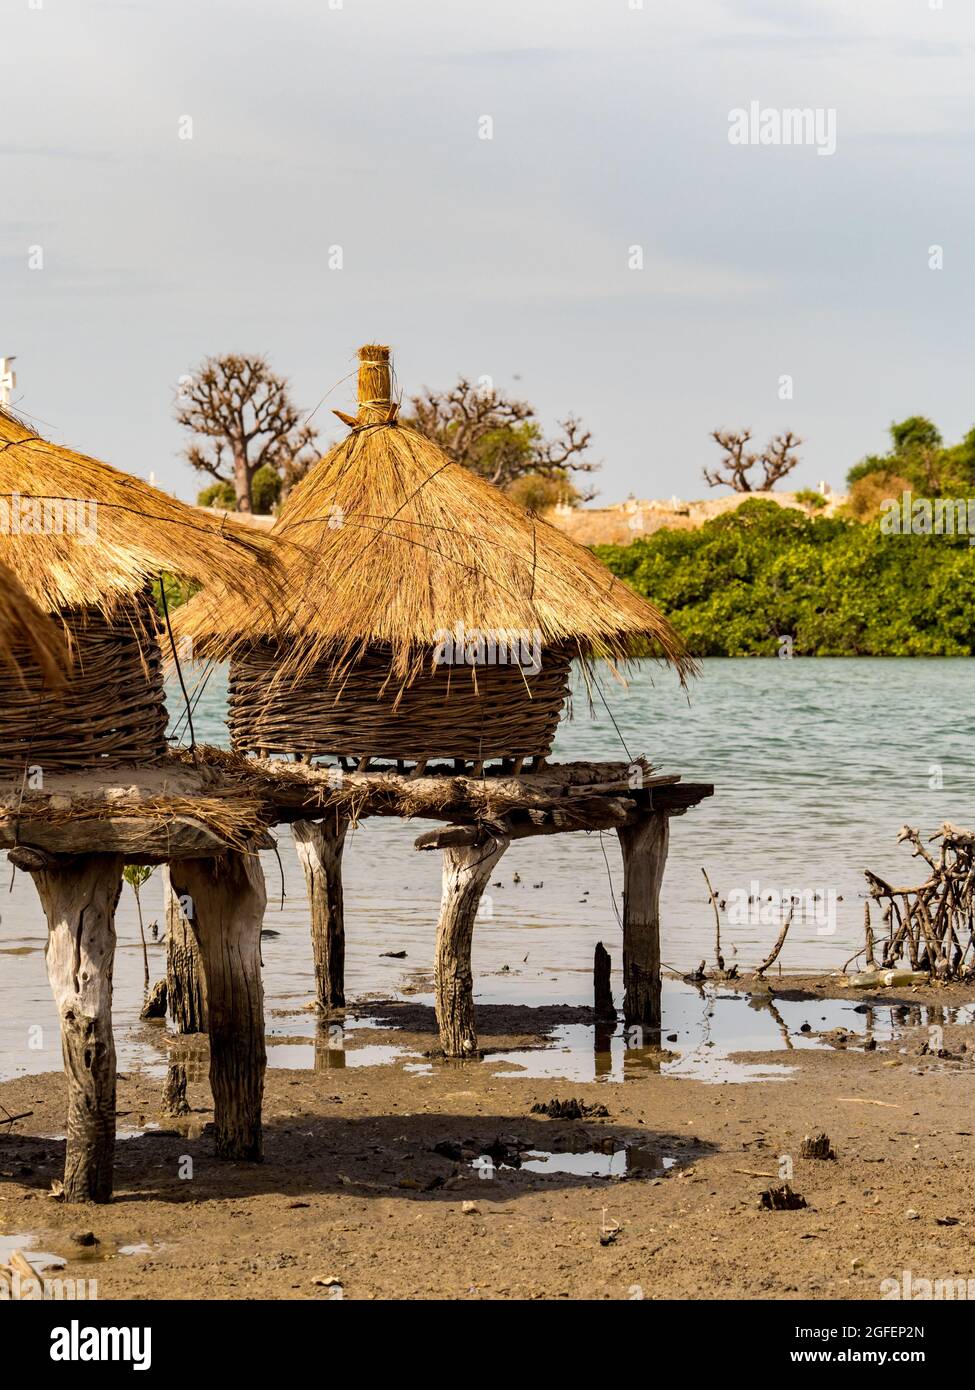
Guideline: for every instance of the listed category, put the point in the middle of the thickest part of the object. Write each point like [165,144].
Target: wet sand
[371,1169]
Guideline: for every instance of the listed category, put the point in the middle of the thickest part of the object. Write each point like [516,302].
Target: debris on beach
[816,1146]
[781,1199]
[569,1110]
[930,926]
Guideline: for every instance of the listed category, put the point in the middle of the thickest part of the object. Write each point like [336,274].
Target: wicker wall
[443,714]
[112,709]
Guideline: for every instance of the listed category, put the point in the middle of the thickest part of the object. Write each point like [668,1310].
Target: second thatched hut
[426,614]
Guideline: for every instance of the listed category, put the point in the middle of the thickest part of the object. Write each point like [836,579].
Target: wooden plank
[141,840]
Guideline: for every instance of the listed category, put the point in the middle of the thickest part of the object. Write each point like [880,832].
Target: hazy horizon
[358,126]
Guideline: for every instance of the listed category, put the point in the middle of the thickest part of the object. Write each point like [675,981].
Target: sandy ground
[353,1190]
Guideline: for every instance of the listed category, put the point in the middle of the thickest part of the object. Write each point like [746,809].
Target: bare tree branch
[500,439]
[244,419]
[777,459]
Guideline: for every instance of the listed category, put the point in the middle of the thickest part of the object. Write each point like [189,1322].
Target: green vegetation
[265,492]
[811,500]
[918,460]
[835,586]
[177,591]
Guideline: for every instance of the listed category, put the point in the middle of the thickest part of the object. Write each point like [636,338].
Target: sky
[129,251]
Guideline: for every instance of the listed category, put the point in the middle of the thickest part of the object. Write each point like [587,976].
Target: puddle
[589,1158]
[46,1259]
[703,1029]
[331,1045]
[591,1163]
[319,1056]
[39,1259]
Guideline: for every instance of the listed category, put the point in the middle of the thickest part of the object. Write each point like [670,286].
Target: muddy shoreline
[439,1181]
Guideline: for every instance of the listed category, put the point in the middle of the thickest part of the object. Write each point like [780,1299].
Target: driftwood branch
[770,959]
[931,925]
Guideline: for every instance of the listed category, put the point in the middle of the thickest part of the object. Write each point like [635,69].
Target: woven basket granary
[394,547]
[505,713]
[109,708]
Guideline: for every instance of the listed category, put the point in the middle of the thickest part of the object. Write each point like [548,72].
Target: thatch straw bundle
[83,542]
[29,640]
[399,543]
[397,547]
[77,533]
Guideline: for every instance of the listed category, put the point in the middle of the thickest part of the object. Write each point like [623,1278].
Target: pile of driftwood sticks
[931,925]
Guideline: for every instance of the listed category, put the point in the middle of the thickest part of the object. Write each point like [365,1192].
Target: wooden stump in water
[79,897]
[466,871]
[319,845]
[644,848]
[602,968]
[185,983]
[228,900]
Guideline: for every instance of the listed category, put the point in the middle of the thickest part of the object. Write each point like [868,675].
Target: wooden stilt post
[466,871]
[320,845]
[185,992]
[644,848]
[79,897]
[185,985]
[227,897]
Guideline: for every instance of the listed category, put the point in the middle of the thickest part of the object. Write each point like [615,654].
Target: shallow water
[816,765]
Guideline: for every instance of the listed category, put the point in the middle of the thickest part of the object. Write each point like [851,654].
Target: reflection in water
[583,1155]
[335,1046]
[704,1026]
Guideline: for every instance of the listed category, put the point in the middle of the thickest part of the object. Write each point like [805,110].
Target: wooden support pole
[466,871]
[644,848]
[186,997]
[228,900]
[79,897]
[320,845]
[185,983]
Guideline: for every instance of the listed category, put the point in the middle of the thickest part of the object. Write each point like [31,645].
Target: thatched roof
[400,543]
[68,553]
[28,636]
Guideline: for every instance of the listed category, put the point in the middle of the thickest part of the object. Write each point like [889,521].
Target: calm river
[816,764]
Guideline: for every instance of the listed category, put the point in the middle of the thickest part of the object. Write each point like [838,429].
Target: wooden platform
[207,815]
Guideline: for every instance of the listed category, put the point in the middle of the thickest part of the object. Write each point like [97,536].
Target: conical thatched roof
[27,635]
[78,533]
[399,543]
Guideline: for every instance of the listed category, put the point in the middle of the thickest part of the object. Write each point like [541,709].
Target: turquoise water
[816,765]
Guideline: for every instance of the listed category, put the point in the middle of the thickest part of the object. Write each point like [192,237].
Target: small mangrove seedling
[135,876]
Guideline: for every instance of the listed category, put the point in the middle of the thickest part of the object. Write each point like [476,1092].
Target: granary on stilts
[425,644]
[86,785]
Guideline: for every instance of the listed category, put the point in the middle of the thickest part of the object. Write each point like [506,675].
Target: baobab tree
[777,459]
[500,439]
[244,419]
